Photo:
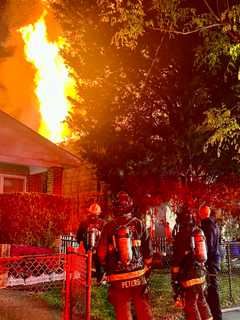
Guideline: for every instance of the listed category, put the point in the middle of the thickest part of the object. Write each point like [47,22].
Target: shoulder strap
[124,224]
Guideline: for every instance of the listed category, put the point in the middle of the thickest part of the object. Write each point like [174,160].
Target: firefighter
[187,269]
[125,252]
[212,234]
[88,234]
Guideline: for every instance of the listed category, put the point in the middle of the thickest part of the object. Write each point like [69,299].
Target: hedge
[33,218]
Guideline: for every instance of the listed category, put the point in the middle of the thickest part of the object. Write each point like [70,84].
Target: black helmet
[185,216]
[123,203]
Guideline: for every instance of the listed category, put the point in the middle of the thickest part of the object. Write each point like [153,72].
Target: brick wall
[78,180]
[55,180]
[80,184]
[37,182]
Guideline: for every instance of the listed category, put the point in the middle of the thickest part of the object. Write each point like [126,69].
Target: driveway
[232,314]
[18,305]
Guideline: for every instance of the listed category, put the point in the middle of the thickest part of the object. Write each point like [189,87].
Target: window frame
[3,175]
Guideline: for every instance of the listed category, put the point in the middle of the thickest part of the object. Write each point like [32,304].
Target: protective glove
[179,301]
[176,287]
[101,280]
[148,267]
[148,272]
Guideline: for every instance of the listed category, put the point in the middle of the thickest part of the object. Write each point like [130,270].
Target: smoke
[17,86]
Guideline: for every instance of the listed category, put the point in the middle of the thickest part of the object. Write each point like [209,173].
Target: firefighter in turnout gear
[187,269]
[125,252]
[89,233]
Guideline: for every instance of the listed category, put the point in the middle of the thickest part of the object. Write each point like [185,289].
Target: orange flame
[53,81]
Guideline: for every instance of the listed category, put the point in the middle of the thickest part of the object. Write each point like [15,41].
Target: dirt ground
[17,305]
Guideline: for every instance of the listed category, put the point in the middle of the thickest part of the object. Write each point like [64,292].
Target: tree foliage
[143,80]
[223,194]
[216,23]
[212,20]
[226,130]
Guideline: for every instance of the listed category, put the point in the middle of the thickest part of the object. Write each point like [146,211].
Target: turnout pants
[196,307]
[121,299]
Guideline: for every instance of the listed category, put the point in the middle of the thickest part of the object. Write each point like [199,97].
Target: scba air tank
[92,238]
[124,244]
[199,245]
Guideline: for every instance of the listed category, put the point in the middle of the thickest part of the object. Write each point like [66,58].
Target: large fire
[52,79]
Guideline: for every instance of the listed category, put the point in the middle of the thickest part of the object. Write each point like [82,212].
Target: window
[10,183]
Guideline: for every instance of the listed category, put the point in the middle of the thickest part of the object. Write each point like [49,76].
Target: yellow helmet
[95,209]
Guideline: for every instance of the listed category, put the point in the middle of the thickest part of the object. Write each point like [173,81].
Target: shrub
[33,218]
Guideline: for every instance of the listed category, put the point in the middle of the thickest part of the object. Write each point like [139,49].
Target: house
[31,163]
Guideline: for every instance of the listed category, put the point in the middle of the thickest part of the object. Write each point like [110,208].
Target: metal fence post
[67,286]
[229,271]
[89,280]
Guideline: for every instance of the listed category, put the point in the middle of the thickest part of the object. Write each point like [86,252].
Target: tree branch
[152,64]
[211,10]
[234,36]
[188,32]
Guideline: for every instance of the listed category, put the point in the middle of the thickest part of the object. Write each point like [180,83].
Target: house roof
[21,145]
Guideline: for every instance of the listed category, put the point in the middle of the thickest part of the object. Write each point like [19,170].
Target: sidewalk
[17,305]
[231,314]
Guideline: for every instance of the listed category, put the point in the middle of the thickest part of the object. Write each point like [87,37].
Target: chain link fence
[32,273]
[78,284]
[70,274]
[66,241]
[162,252]
[228,277]
[67,274]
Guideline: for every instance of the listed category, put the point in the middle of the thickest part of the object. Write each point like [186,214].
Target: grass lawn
[160,295]
[53,298]
[230,298]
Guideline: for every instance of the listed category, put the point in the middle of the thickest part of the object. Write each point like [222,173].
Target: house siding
[73,182]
